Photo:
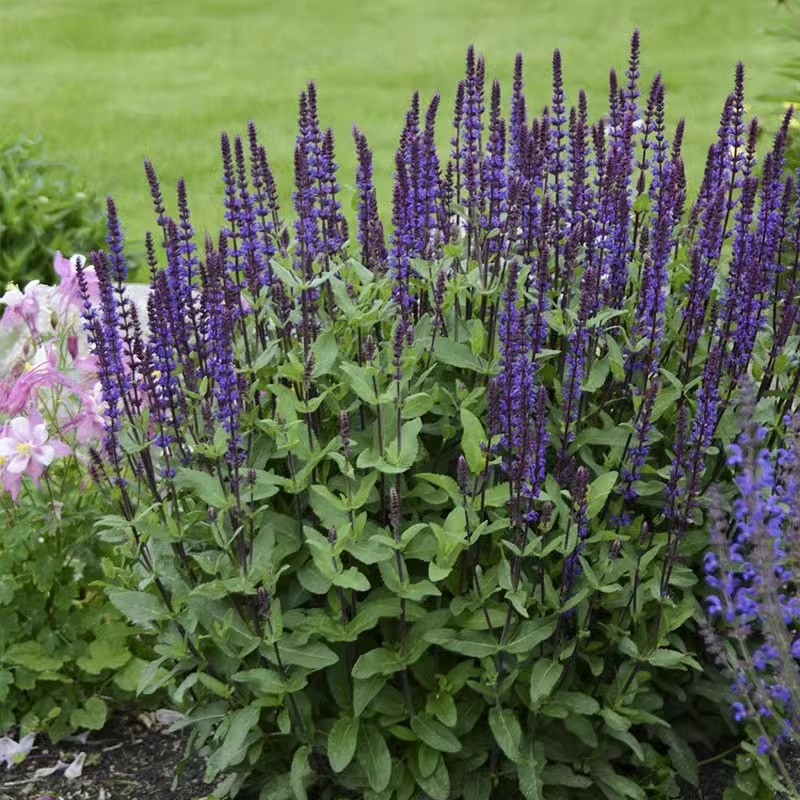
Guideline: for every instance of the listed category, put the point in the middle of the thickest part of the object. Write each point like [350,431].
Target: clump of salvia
[752,571]
[418,517]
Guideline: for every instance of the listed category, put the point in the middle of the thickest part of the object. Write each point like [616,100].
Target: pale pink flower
[22,304]
[27,449]
[88,422]
[69,290]
[20,388]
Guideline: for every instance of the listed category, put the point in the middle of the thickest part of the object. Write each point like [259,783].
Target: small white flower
[13,753]
[75,769]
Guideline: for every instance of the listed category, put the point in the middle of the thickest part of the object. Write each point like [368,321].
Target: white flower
[13,753]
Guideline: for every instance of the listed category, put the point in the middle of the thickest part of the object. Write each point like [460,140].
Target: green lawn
[110,82]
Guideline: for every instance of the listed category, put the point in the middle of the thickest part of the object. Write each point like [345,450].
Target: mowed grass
[111,82]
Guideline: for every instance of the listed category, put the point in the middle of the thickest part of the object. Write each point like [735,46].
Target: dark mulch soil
[126,761]
[716,776]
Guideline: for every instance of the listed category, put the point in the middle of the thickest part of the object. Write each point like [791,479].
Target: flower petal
[16,466]
[20,429]
[44,455]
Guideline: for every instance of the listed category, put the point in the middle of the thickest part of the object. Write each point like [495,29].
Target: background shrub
[44,207]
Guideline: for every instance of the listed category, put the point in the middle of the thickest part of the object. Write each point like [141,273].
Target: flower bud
[369,348]
[72,346]
[394,510]
[463,474]
[344,431]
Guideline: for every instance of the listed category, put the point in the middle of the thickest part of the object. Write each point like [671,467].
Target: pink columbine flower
[69,290]
[22,304]
[27,449]
[22,385]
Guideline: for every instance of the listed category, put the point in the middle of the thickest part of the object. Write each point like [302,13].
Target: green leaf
[263,681]
[670,659]
[597,376]
[598,493]
[478,786]
[530,634]
[443,707]
[681,755]
[325,350]
[232,750]
[416,405]
[427,760]
[206,487]
[107,653]
[434,734]
[313,655]
[351,578]
[471,440]
[577,702]
[618,785]
[529,774]
[562,775]
[92,715]
[140,608]
[278,787]
[373,755]
[666,398]
[377,662]
[506,731]
[300,774]
[477,644]
[342,741]
[360,381]
[32,656]
[582,728]
[544,676]
[364,692]
[456,354]
[435,786]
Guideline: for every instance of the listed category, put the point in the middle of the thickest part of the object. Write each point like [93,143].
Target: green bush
[424,521]
[66,653]
[44,207]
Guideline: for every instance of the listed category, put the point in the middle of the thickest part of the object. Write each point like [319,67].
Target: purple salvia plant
[493,178]
[370,228]
[557,162]
[436,219]
[751,571]
[265,199]
[471,135]
[518,120]
[456,142]
[635,456]
[578,521]
[334,223]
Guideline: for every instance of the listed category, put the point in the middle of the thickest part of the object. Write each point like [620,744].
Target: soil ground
[127,761]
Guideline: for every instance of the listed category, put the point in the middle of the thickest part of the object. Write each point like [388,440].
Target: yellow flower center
[24,449]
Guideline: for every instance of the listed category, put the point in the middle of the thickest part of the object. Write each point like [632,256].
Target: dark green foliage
[295,665]
[44,207]
[65,652]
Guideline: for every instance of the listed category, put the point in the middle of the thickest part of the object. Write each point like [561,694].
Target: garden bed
[126,761]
